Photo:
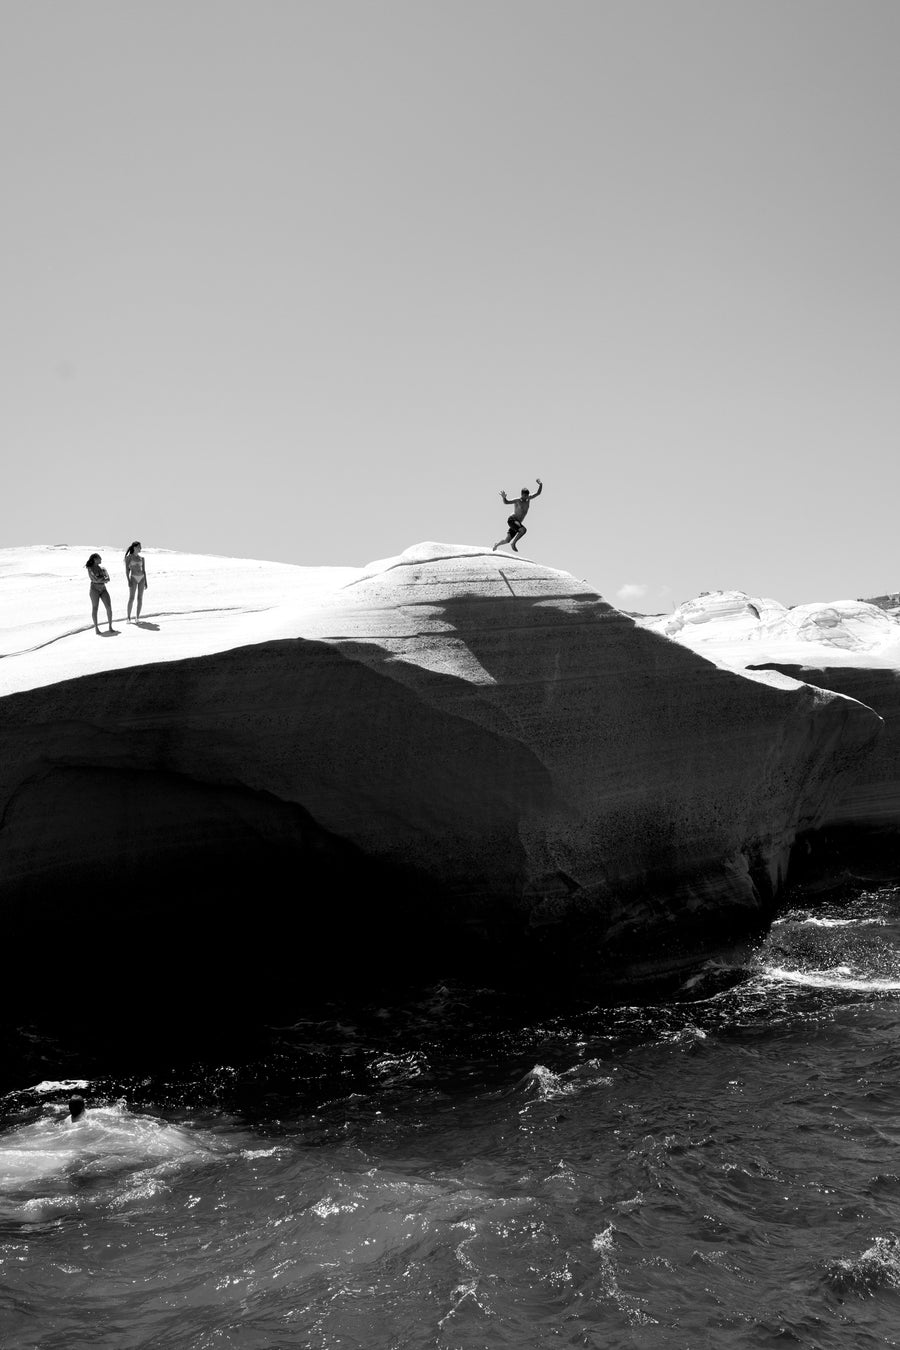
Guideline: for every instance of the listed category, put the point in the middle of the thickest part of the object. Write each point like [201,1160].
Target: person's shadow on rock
[142,623]
[109,632]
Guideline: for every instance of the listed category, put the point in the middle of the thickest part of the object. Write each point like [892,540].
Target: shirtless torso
[520,507]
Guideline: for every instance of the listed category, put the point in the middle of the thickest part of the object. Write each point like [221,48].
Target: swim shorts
[514,524]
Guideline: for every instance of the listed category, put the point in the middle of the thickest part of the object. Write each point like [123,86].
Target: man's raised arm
[540,488]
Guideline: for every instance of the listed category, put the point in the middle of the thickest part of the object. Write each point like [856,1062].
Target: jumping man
[520,507]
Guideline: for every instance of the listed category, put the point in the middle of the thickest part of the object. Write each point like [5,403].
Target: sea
[469,1168]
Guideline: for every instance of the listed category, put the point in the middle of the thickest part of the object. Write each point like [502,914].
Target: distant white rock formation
[846,646]
[715,614]
[734,617]
[852,625]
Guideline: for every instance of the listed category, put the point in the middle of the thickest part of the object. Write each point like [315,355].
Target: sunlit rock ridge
[847,646]
[452,745]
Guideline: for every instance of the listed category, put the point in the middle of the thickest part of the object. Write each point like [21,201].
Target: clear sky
[311,280]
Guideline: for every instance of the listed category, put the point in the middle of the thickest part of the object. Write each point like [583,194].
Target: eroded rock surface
[516,756]
[725,619]
[851,647]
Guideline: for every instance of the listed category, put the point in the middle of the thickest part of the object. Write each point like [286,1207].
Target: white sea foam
[802,919]
[59,1085]
[548,1085]
[876,1268]
[104,1141]
[839,923]
[838,977]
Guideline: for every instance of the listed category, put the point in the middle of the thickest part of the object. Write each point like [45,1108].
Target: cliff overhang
[451,756]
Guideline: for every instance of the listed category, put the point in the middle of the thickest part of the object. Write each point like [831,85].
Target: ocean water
[476,1170]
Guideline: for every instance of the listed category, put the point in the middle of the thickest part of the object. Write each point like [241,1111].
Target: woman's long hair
[95,557]
[131,547]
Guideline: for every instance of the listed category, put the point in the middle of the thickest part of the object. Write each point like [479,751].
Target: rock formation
[850,647]
[449,747]
[717,616]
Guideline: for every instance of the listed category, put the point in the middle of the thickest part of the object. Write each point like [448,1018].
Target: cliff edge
[448,750]
[850,647]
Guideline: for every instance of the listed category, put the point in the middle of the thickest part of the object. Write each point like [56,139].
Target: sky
[312,280]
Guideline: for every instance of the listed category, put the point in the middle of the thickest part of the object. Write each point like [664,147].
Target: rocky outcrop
[453,747]
[850,647]
[732,621]
[716,616]
[850,625]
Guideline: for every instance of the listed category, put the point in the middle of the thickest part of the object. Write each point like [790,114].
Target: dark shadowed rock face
[871,800]
[465,756]
[859,837]
[850,647]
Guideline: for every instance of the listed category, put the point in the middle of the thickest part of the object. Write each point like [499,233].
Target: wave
[58,1085]
[813,921]
[46,1165]
[877,1268]
[838,977]
[543,1085]
[689,1037]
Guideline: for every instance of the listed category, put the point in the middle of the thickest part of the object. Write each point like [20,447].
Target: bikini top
[136,566]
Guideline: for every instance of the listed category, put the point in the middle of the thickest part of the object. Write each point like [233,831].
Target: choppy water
[721,1170]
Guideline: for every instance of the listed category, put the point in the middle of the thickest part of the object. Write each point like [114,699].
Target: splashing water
[877,1268]
[469,1171]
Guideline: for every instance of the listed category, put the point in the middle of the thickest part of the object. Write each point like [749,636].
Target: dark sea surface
[479,1170]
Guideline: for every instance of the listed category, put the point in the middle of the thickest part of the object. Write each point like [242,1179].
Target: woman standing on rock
[99,577]
[136,576]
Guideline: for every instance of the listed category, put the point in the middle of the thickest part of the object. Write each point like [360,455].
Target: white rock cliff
[846,646]
[519,756]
